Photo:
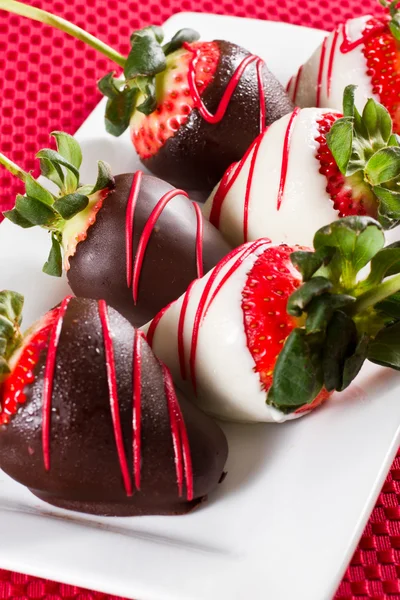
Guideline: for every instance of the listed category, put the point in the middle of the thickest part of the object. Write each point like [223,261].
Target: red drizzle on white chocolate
[133,274]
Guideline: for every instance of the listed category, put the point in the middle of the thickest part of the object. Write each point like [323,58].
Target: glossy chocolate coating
[197,156]
[84,473]
[98,269]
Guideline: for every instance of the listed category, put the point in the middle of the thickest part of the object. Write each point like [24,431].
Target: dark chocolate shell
[179,240]
[197,156]
[132,449]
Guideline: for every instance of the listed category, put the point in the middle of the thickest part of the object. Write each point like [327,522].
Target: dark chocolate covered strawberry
[309,168]
[192,107]
[90,420]
[134,239]
[272,330]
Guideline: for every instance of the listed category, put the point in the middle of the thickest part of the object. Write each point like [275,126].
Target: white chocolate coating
[305,206]
[227,386]
[347,68]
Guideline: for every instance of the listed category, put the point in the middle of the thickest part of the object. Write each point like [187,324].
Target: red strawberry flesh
[350,195]
[149,133]
[12,390]
[382,53]
[269,284]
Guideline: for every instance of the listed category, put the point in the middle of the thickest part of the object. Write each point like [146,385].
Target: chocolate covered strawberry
[192,107]
[307,169]
[272,330]
[134,239]
[90,420]
[362,51]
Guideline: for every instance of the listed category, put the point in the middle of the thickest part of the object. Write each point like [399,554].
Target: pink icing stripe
[179,436]
[113,394]
[347,45]
[200,310]
[320,72]
[137,407]
[146,233]
[228,93]
[130,211]
[175,430]
[285,156]
[199,240]
[261,95]
[48,380]
[256,146]
[153,325]
[181,326]
[296,85]
[227,182]
[331,59]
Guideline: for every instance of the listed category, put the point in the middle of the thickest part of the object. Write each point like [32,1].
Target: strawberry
[363,51]
[71,389]
[307,169]
[273,330]
[150,132]
[350,195]
[124,239]
[182,99]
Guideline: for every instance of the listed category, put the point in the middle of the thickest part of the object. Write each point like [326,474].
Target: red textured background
[47,82]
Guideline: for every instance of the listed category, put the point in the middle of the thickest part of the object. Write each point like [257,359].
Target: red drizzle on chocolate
[113,395]
[137,407]
[48,380]
[133,273]
[230,88]
[179,437]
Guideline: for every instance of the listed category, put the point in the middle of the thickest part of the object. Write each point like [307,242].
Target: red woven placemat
[47,82]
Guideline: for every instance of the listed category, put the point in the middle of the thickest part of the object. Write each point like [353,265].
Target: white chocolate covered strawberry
[272,330]
[363,51]
[306,170]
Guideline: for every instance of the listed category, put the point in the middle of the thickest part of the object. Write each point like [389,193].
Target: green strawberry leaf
[377,121]
[34,211]
[383,166]
[340,142]
[146,56]
[69,148]
[340,343]
[353,364]
[15,217]
[70,205]
[385,348]
[348,100]
[390,306]
[120,105]
[386,262]
[298,376]
[53,265]
[35,190]
[147,86]
[308,263]
[388,207]
[300,299]
[105,179]
[357,240]
[321,309]
[181,37]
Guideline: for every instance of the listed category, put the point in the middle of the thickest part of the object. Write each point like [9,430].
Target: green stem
[377,294]
[19,8]
[12,167]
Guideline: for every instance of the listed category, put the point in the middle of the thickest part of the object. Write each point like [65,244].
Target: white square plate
[285,523]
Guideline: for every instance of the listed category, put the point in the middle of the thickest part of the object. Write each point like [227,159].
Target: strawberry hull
[179,245]
[200,151]
[86,471]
